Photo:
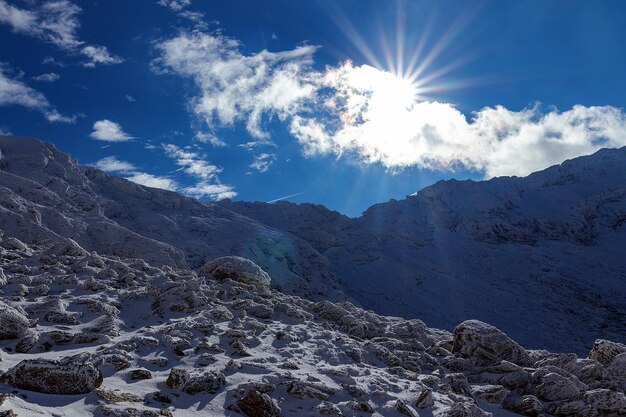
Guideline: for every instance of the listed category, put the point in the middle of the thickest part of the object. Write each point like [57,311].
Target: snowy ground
[223,343]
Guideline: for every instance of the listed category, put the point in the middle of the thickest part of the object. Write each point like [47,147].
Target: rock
[405,409]
[555,387]
[485,343]
[13,322]
[328,408]
[571,408]
[305,390]
[362,406]
[257,404]
[237,269]
[606,401]
[458,383]
[464,410]
[68,376]
[604,351]
[177,378]
[493,394]
[117,396]
[193,383]
[527,405]
[139,374]
[27,342]
[425,399]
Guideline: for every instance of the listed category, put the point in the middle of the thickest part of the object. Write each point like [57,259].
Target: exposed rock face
[13,322]
[238,269]
[68,376]
[487,344]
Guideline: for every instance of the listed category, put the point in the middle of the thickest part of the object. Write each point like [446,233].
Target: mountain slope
[45,197]
[543,252]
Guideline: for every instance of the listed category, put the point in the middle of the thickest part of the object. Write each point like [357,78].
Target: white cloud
[55,22]
[377,117]
[207,187]
[130,98]
[109,131]
[4,131]
[112,164]
[99,55]
[191,162]
[15,92]
[195,165]
[236,87]
[48,77]
[374,115]
[176,5]
[154,181]
[209,138]
[263,162]
[213,191]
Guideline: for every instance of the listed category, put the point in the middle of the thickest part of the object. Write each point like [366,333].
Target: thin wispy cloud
[193,164]
[48,77]
[55,22]
[130,98]
[263,162]
[14,92]
[112,164]
[154,181]
[109,131]
[176,5]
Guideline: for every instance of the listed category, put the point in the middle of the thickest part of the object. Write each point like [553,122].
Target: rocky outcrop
[487,344]
[604,351]
[68,376]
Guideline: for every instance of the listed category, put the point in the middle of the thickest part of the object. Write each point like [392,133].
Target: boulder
[487,344]
[257,404]
[13,321]
[238,269]
[68,376]
[606,401]
[555,387]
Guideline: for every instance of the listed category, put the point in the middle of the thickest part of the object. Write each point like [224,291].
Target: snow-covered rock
[67,376]
[485,343]
[13,322]
[238,269]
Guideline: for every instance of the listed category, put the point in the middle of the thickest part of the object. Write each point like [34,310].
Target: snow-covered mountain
[540,257]
[46,196]
[112,304]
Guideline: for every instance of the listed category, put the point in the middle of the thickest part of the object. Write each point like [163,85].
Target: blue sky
[341,103]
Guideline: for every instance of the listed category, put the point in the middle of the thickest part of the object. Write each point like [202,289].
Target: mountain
[540,257]
[45,197]
[116,299]
[545,252]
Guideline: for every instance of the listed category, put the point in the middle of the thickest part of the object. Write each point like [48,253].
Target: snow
[103,274]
